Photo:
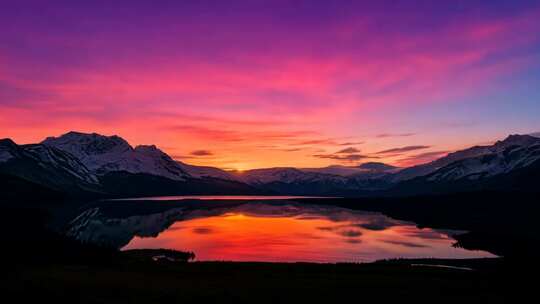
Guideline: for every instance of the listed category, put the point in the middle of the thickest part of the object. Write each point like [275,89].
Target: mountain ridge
[47,167]
[109,165]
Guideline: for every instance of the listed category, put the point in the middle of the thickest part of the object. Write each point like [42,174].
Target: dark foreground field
[39,265]
[150,282]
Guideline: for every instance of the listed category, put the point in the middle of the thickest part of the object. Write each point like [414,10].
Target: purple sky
[244,84]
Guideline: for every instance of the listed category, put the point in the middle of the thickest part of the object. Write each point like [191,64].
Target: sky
[251,84]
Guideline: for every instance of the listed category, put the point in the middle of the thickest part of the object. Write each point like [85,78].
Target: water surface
[271,232]
[217,197]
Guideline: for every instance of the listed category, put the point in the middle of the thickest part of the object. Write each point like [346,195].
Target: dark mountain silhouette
[104,167]
[509,165]
[93,165]
[377,166]
[498,147]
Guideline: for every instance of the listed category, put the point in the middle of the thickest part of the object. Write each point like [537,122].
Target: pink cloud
[420,158]
[297,93]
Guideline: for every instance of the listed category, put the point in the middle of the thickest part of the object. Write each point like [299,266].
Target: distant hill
[509,165]
[93,165]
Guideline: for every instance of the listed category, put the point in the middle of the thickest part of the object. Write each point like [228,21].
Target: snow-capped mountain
[298,182]
[46,165]
[104,154]
[61,160]
[370,167]
[79,162]
[327,180]
[475,163]
[374,171]
[515,152]
[335,170]
[285,175]
[473,152]
[207,172]
[512,164]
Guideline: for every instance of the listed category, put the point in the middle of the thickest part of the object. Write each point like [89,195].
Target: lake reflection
[218,197]
[259,231]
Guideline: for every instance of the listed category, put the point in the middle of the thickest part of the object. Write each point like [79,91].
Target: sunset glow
[340,237]
[250,84]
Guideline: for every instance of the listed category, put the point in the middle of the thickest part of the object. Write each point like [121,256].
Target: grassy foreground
[136,281]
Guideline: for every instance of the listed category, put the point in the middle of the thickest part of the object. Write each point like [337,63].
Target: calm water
[217,197]
[265,231]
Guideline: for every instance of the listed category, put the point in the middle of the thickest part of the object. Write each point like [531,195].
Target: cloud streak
[341,71]
[421,158]
[343,158]
[351,143]
[350,150]
[403,149]
[201,153]
[389,135]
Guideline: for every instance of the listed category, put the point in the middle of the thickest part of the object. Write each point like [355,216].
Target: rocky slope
[109,165]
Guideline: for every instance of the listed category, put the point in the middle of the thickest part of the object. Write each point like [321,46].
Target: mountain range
[93,165]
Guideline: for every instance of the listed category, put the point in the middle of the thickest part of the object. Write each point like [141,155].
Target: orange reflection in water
[307,238]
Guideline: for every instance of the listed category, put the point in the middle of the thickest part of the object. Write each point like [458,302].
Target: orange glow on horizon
[267,86]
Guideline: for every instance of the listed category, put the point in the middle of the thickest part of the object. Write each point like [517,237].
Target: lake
[218,197]
[263,230]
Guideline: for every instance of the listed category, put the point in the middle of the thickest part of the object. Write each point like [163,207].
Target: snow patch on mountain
[505,157]
[367,170]
[473,152]
[335,170]
[104,154]
[208,172]
[47,166]
[285,175]
[61,160]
